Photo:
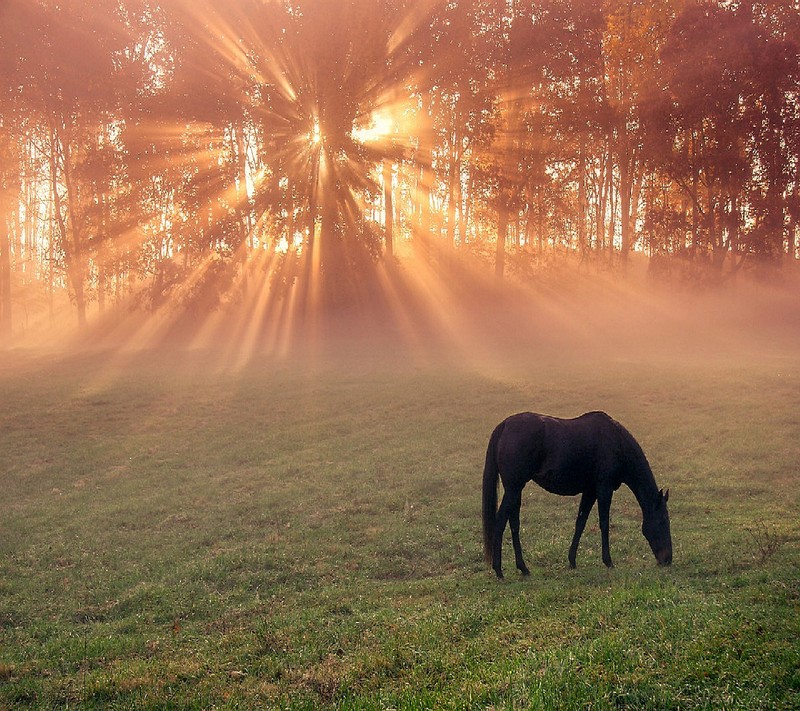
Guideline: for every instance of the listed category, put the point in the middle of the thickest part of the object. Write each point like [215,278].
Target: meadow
[306,534]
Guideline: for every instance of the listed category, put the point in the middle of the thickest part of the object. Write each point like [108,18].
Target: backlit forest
[287,156]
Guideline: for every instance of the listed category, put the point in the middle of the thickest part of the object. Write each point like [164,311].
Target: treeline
[155,150]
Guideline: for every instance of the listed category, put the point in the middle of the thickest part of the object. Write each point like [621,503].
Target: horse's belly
[557,483]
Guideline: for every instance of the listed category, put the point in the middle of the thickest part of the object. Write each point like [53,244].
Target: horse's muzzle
[664,557]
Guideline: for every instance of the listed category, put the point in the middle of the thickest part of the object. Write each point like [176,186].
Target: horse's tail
[490,476]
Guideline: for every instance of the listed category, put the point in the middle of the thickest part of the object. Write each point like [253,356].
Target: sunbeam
[250,176]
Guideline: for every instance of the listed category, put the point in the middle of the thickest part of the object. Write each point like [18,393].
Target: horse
[591,455]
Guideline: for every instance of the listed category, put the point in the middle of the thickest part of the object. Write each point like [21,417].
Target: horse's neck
[642,483]
[636,471]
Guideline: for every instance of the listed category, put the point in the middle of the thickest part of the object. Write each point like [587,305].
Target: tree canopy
[192,153]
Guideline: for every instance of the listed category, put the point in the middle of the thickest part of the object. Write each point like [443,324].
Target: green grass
[178,536]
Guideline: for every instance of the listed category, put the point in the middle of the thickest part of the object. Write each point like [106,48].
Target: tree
[634,33]
[719,96]
[66,68]
[770,83]
[192,142]
[330,65]
[14,36]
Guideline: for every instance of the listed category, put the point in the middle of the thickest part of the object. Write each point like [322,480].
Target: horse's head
[655,527]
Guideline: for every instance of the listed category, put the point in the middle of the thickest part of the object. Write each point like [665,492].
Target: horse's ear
[666,496]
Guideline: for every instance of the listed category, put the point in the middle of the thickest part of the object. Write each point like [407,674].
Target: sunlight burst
[315,136]
[381,126]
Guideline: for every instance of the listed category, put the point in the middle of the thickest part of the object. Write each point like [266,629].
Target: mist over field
[569,315]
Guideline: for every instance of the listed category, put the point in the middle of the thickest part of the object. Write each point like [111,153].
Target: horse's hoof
[499,574]
[572,565]
[525,571]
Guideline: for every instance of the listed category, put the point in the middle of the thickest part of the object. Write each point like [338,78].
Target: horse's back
[563,456]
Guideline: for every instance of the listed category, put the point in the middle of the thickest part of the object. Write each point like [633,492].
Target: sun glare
[315,136]
[380,126]
[284,245]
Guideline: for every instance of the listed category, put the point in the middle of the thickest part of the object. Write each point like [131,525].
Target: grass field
[307,535]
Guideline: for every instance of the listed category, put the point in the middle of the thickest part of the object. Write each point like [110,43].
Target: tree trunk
[636,194]
[5,274]
[242,198]
[451,209]
[793,210]
[330,246]
[103,252]
[540,222]
[388,209]
[625,190]
[695,202]
[424,181]
[600,207]
[5,236]
[451,190]
[612,207]
[465,204]
[583,208]
[502,228]
[70,234]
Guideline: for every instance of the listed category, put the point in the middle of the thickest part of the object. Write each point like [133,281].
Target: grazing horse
[591,455]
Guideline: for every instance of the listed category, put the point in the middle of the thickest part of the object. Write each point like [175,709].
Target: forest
[198,154]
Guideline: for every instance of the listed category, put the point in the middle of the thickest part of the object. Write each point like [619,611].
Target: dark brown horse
[591,455]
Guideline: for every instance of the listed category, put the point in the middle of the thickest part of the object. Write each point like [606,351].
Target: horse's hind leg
[513,520]
[505,513]
[499,528]
[587,502]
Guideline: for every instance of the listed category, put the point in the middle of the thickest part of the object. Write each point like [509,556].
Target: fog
[457,316]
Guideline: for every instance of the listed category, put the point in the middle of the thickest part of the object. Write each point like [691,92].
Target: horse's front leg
[585,508]
[604,509]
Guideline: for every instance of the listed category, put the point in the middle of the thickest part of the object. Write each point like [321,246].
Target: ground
[303,531]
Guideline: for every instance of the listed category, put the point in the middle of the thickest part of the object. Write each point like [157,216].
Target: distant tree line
[157,150]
